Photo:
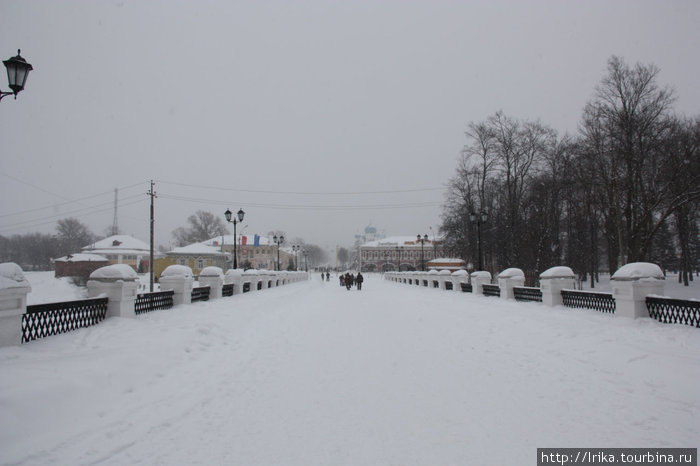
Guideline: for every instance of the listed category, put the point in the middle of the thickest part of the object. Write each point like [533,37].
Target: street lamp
[479,218]
[278,241]
[422,257]
[295,251]
[240,215]
[17,71]
[306,263]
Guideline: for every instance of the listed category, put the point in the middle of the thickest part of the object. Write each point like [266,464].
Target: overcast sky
[315,117]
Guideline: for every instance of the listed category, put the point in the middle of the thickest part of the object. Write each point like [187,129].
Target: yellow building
[196,256]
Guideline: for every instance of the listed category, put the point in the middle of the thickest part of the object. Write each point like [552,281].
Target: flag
[257,240]
[244,240]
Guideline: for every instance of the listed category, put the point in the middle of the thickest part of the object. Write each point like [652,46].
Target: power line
[306,206]
[304,193]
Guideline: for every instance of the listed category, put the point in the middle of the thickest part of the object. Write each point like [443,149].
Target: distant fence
[43,320]
[676,311]
[527,293]
[491,290]
[158,300]
[200,293]
[603,302]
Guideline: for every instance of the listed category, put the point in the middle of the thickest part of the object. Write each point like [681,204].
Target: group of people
[347,279]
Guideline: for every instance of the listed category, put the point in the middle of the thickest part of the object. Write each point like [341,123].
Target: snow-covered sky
[315,117]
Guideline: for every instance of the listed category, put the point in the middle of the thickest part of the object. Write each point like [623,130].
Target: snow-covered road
[312,374]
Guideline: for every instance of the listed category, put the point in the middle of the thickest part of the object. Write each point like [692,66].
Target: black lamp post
[422,257]
[17,71]
[278,241]
[295,250]
[306,263]
[479,218]
[240,215]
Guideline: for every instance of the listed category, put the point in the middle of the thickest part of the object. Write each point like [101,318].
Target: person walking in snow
[359,279]
[348,280]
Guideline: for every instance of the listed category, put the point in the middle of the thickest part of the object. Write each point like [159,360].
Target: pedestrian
[328,276]
[348,280]
[359,279]
[342,280]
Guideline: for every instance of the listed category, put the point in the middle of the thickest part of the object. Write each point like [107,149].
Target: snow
[558,272]
[637,270]
[212,271]
[119,243]
[177,271]
[511,273]
[12,276]
[197,248]
[310,373]
[114,272]
[82,258]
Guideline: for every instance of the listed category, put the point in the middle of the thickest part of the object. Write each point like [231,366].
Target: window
[200,263]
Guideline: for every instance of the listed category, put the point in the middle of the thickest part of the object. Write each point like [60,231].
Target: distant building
[398,253]
[122,249]
[79,266]
[196,256]
[446,263]
[258,251]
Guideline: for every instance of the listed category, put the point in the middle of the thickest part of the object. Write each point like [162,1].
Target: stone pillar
[444,276]
[631,284]
[459,277]
[119,283]
[213,277]
[14,288]
[508,279]
[235,277]
[479,279]
[178,278]
[552,281]
[251,276]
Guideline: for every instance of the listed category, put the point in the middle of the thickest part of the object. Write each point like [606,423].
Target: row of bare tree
[626,188]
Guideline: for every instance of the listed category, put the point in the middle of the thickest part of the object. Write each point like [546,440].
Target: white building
[122,249]
[399,253]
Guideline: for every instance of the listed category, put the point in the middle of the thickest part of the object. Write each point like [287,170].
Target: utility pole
[115,221]
[151,193]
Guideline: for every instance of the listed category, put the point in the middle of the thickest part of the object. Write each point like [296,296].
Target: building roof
[393,241]
[123,244]
[197,249]
[82,258]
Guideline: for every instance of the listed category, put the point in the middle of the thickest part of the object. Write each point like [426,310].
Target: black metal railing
[227,290]
[527,293]
[147,302]
[246,287]
[44,320]
[676,311]
[603,302]
[491,290]
[466,287]
[200,293]
[448,285]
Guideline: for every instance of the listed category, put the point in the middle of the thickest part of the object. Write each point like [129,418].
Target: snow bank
[512,273]
[211,271]
[177,271]
[12,276]
[115,272]
[638,270]
[558,272]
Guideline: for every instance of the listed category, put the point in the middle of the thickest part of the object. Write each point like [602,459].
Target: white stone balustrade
[631,284]
[552,281]
[479,279]
[117,282]
[178,278]
[213,277]
[14,288]
[508,279]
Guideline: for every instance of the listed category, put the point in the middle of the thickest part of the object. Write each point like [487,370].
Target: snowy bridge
[314,374]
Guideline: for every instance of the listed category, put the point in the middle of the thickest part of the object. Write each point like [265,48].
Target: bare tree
[201,227]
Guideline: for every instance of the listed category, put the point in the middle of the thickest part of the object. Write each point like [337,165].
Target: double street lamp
[17,71]
[228,214]
[479,218]
[278,240]
[422,241]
